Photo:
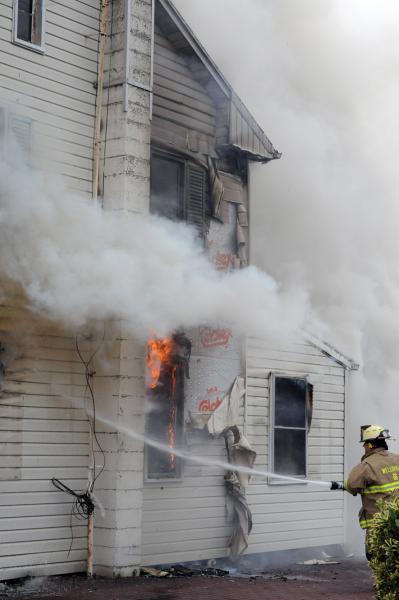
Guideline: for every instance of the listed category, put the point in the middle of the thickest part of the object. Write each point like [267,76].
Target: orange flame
[159,352]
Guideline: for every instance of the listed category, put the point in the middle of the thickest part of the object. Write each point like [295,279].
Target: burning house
[171,138]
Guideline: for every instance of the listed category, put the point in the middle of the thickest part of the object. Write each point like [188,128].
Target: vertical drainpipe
[126,57]
[152,56]
[104,11]
[104,15]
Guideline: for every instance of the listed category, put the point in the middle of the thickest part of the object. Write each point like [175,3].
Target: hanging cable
[92,421]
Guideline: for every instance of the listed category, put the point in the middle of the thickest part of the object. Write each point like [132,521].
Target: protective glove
[336,486]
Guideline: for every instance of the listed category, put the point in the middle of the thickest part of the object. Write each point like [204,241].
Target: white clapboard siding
[56,89]
[186,520]
[42,435]
[182,108]
[297,516]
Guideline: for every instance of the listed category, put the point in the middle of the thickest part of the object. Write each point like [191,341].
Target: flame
[159,352]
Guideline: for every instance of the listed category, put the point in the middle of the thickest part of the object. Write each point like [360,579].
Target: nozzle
[336,486]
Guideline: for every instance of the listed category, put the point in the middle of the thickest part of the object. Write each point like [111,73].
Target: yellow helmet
[370,433]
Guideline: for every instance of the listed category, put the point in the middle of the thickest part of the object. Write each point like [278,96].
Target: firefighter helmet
[370,433]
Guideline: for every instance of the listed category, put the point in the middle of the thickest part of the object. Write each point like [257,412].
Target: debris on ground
[183,571]
[316,561]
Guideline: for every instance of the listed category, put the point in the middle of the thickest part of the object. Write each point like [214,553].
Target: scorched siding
[56,90]
[296,516]
[41,436]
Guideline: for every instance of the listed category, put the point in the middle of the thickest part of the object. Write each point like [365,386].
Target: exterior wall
[184,115]
[41,436]
[297,516]
[56,90]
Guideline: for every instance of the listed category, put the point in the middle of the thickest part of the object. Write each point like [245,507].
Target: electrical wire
[82,507]
[92,422]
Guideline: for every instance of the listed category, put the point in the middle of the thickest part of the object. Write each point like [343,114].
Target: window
[291,413]
[167,366]
[178,190]
[29,23]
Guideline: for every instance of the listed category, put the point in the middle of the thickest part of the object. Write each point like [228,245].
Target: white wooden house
[171,123]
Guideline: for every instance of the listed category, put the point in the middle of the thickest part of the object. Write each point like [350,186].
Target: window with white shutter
[20,132]
[15,129]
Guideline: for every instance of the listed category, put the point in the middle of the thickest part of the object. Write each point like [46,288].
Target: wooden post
[90,530]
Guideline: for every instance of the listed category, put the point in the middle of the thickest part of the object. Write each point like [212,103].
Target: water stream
[203,460]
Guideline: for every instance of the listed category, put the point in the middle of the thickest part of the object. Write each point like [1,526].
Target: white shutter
[20,130]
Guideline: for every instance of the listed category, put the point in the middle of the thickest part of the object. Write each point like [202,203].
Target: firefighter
[377,475]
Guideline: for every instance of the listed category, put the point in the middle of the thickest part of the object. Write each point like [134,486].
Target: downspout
[104,16]
[126,57]
[152,57]
[104,12]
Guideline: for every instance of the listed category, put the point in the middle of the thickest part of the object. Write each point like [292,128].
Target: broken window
[29,23]
[291,413]
[167,367]
[179,190]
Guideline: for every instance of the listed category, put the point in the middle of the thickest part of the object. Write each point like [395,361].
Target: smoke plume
[77,263]
[321,78]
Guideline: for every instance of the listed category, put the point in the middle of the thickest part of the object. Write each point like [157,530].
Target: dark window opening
[167,367]
[179,190]
[29,19]
[292,410]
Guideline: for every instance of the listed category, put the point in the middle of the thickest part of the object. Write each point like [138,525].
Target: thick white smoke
[321,76]
[77,263]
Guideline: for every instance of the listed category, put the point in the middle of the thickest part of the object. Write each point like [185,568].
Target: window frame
[186,162]
[180,472]
[39,48]
[272,412]
[178,478]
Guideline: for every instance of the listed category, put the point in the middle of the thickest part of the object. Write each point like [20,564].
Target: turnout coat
[375,478]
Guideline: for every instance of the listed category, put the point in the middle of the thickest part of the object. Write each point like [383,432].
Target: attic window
[29,23]
[291,413]
[179,190]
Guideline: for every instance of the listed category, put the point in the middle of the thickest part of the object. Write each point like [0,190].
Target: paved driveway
[346,581]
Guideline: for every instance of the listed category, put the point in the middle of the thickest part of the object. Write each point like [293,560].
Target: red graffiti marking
[223,261]
[208,406]
[210,402]
[215,338]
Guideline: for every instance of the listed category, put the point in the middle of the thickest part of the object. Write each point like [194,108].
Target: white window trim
[272,386]
[40,49]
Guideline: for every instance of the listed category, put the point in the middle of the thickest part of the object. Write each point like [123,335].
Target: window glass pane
[290,452]
[166,188]
[25,19]
[290,402]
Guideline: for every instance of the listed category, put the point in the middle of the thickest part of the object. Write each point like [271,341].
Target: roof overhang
[331,352]
[239,130]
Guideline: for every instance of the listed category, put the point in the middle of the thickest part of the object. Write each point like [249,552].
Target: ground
[349,580]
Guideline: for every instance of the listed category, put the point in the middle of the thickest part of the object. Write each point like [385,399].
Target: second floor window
[179,190]
[29,23]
